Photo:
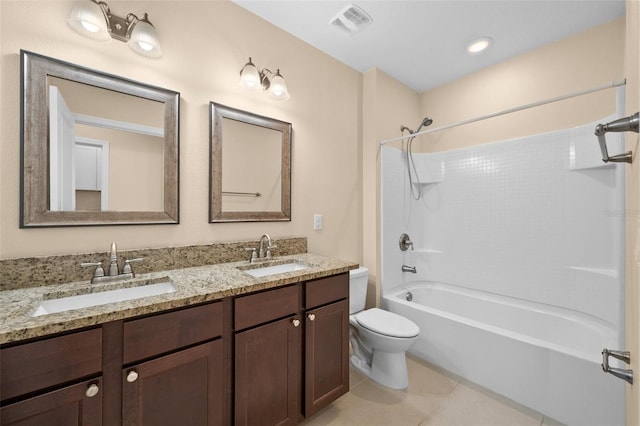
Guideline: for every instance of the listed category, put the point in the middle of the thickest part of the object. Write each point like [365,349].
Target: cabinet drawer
[68,406]
[267,306]
[150,336]
[50,362]
[326,290]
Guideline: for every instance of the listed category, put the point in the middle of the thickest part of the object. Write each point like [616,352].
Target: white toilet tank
[357,289]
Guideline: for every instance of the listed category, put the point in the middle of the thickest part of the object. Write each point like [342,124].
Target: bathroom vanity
[270,350]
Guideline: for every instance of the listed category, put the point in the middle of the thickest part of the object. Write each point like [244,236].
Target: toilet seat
[387,323]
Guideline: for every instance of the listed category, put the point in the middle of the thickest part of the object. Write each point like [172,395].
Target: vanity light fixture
[93,19]
[479,45]
[255,80]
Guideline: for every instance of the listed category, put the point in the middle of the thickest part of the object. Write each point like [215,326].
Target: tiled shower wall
[538,218]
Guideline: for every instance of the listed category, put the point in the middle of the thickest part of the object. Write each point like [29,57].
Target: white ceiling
[422,43]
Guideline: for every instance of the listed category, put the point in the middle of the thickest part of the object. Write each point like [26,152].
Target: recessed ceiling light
[479,45]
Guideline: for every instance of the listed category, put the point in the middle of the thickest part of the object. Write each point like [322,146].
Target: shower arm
[626,124]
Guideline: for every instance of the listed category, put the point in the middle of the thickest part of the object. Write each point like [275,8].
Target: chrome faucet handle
[127,269]
[269,250]
[99,272]
[113,258]
[254,253]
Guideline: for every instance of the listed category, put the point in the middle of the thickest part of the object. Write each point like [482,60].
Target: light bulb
[92,28]
[145,46]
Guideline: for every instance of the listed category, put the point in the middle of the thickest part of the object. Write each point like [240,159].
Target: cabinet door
[326,355]
[79,404]
[185,388]
[267,374]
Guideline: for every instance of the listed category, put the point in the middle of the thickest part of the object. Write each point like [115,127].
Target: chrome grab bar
[620,373]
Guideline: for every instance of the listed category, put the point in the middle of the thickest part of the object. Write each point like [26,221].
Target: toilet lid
[387,323]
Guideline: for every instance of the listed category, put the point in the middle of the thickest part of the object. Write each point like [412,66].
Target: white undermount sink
[283,268]
[63,304]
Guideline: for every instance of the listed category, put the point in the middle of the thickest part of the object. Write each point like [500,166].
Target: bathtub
[543,357]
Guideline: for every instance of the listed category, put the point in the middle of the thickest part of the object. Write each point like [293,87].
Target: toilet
[378,338]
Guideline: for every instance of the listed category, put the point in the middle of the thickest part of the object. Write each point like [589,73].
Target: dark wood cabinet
[268,333]
[289,368]
[76,405]
[174,369]
[53,381]
[326,355]
[183,388]
[267,373]
[162,369]
[267,358]
[46,363]
[326,360]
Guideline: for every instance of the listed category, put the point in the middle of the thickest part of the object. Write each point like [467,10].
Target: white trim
[126,126]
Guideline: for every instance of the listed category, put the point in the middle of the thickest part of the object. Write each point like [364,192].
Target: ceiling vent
[351,19]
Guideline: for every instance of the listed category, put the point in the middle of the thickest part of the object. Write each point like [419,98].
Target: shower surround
[537,219]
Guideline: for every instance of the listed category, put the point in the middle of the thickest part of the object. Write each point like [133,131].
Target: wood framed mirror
[97,149]
[250,167]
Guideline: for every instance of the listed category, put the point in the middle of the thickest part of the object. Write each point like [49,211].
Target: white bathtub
[543,357]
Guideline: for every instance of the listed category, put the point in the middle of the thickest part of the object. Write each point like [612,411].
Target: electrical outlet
[317,222]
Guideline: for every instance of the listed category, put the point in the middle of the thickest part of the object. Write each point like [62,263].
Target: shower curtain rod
[609,85]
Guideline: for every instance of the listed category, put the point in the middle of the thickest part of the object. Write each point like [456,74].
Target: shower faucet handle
[405,242]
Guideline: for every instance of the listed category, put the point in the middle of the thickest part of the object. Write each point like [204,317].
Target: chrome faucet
[114,272]
[265,252]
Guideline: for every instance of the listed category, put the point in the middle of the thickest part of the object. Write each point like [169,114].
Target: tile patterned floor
[433,398]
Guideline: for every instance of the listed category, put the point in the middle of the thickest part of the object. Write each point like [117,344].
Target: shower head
[425,122]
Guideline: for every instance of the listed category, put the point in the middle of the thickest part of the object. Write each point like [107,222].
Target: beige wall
[387,104]
[580,62]
[557,69]
[251,162]
[204,43]
[632,208]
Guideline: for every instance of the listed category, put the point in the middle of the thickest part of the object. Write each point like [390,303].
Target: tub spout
[411,269]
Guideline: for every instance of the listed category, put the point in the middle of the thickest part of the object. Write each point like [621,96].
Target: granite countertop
[193,285]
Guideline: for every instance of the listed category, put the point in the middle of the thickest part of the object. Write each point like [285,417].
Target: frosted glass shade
[88,20]
[278,88]
[250,77]
[144,40]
